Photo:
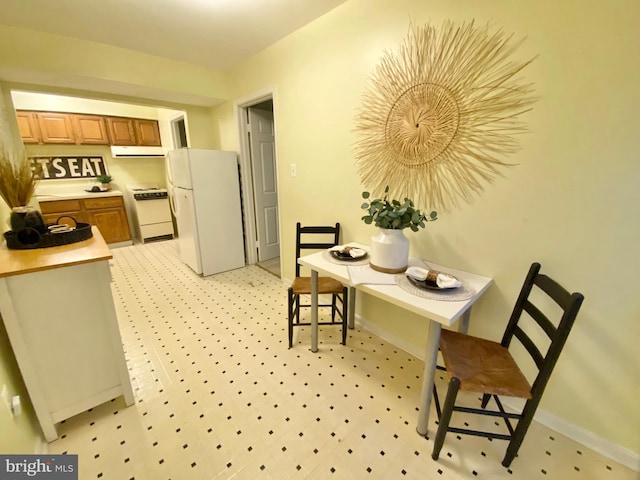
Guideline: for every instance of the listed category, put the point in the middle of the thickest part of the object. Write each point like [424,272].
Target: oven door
[153,211]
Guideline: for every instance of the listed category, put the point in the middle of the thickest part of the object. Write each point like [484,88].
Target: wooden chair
[482,366]
[323,238]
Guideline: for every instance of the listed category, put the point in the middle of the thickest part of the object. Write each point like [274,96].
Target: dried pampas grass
[17,179]
[438,116]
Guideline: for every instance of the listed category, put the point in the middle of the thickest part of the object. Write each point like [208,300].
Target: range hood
[133,152]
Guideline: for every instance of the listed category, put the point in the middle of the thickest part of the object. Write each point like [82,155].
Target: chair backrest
[315,238]
[552,293]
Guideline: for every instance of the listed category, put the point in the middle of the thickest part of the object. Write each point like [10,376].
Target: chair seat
[302,286]
[482,366]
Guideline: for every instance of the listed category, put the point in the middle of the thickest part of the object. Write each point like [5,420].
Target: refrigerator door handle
[167,169]
[172,201]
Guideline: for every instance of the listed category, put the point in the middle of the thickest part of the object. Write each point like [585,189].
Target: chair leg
[345,302]
[334,307]
[520,431]
[447,410]
[290,317]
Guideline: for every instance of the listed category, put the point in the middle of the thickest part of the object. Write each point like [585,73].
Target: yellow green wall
[569,203]
[20,434]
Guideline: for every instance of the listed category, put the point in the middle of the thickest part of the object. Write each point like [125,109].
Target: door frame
[175,135]
[241,107]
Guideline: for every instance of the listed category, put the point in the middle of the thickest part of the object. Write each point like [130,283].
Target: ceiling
[216,34]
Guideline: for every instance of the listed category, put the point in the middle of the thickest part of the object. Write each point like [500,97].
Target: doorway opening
[259,181]
[179,133]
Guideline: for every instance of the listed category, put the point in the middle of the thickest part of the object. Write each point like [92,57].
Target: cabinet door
[56,127]
[110,216]
[112,223]
[103,202]
[148,132]
[91,129]
[121,131]
[28,126]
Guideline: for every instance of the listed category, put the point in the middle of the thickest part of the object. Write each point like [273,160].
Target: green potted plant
[105,180]
[390,248]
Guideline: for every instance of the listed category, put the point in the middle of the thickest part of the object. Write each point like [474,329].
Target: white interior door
[263,162]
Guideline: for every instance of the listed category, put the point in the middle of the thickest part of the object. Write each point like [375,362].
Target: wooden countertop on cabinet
[58,310]
[17,262]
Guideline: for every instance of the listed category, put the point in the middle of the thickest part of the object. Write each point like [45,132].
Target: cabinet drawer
[64,217]
[102,202]
[58,206]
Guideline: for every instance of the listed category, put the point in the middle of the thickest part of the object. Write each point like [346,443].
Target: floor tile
[220,396]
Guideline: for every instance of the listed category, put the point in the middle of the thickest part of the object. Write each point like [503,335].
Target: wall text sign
[56,168]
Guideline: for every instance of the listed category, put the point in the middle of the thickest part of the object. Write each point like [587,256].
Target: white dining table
[438,312]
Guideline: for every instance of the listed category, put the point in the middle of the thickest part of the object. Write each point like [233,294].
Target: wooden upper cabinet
[28,126]
[121,131]
[80,129]
[56,127]
[133,131]
[148,132]
[91,129]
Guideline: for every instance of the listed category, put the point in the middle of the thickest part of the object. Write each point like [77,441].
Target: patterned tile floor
[219,395]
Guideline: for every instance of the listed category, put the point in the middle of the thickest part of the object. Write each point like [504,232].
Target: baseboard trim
[615,452]
[611,450]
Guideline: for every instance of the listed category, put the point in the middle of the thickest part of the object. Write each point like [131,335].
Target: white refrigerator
[205,188]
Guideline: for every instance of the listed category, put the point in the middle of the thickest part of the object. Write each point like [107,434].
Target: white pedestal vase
[389,251]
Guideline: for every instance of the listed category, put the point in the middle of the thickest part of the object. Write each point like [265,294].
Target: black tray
[29,238]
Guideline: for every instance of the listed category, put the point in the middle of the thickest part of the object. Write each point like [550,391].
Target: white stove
[151,214]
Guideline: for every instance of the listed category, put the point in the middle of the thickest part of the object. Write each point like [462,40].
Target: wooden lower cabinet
[110,216]
[106,213]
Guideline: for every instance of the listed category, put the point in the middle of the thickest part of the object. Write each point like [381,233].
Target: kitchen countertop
[18,262]
[74,194]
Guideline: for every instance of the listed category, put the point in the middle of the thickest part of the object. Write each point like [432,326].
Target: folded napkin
[346,250]
[433,278]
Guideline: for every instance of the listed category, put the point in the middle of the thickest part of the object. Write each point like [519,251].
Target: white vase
[389,251]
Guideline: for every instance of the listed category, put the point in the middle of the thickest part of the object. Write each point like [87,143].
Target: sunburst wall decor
[440,115]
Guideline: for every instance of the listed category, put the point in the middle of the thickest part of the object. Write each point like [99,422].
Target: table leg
[351,321]
[430,359]
[463,326]
[314,311]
